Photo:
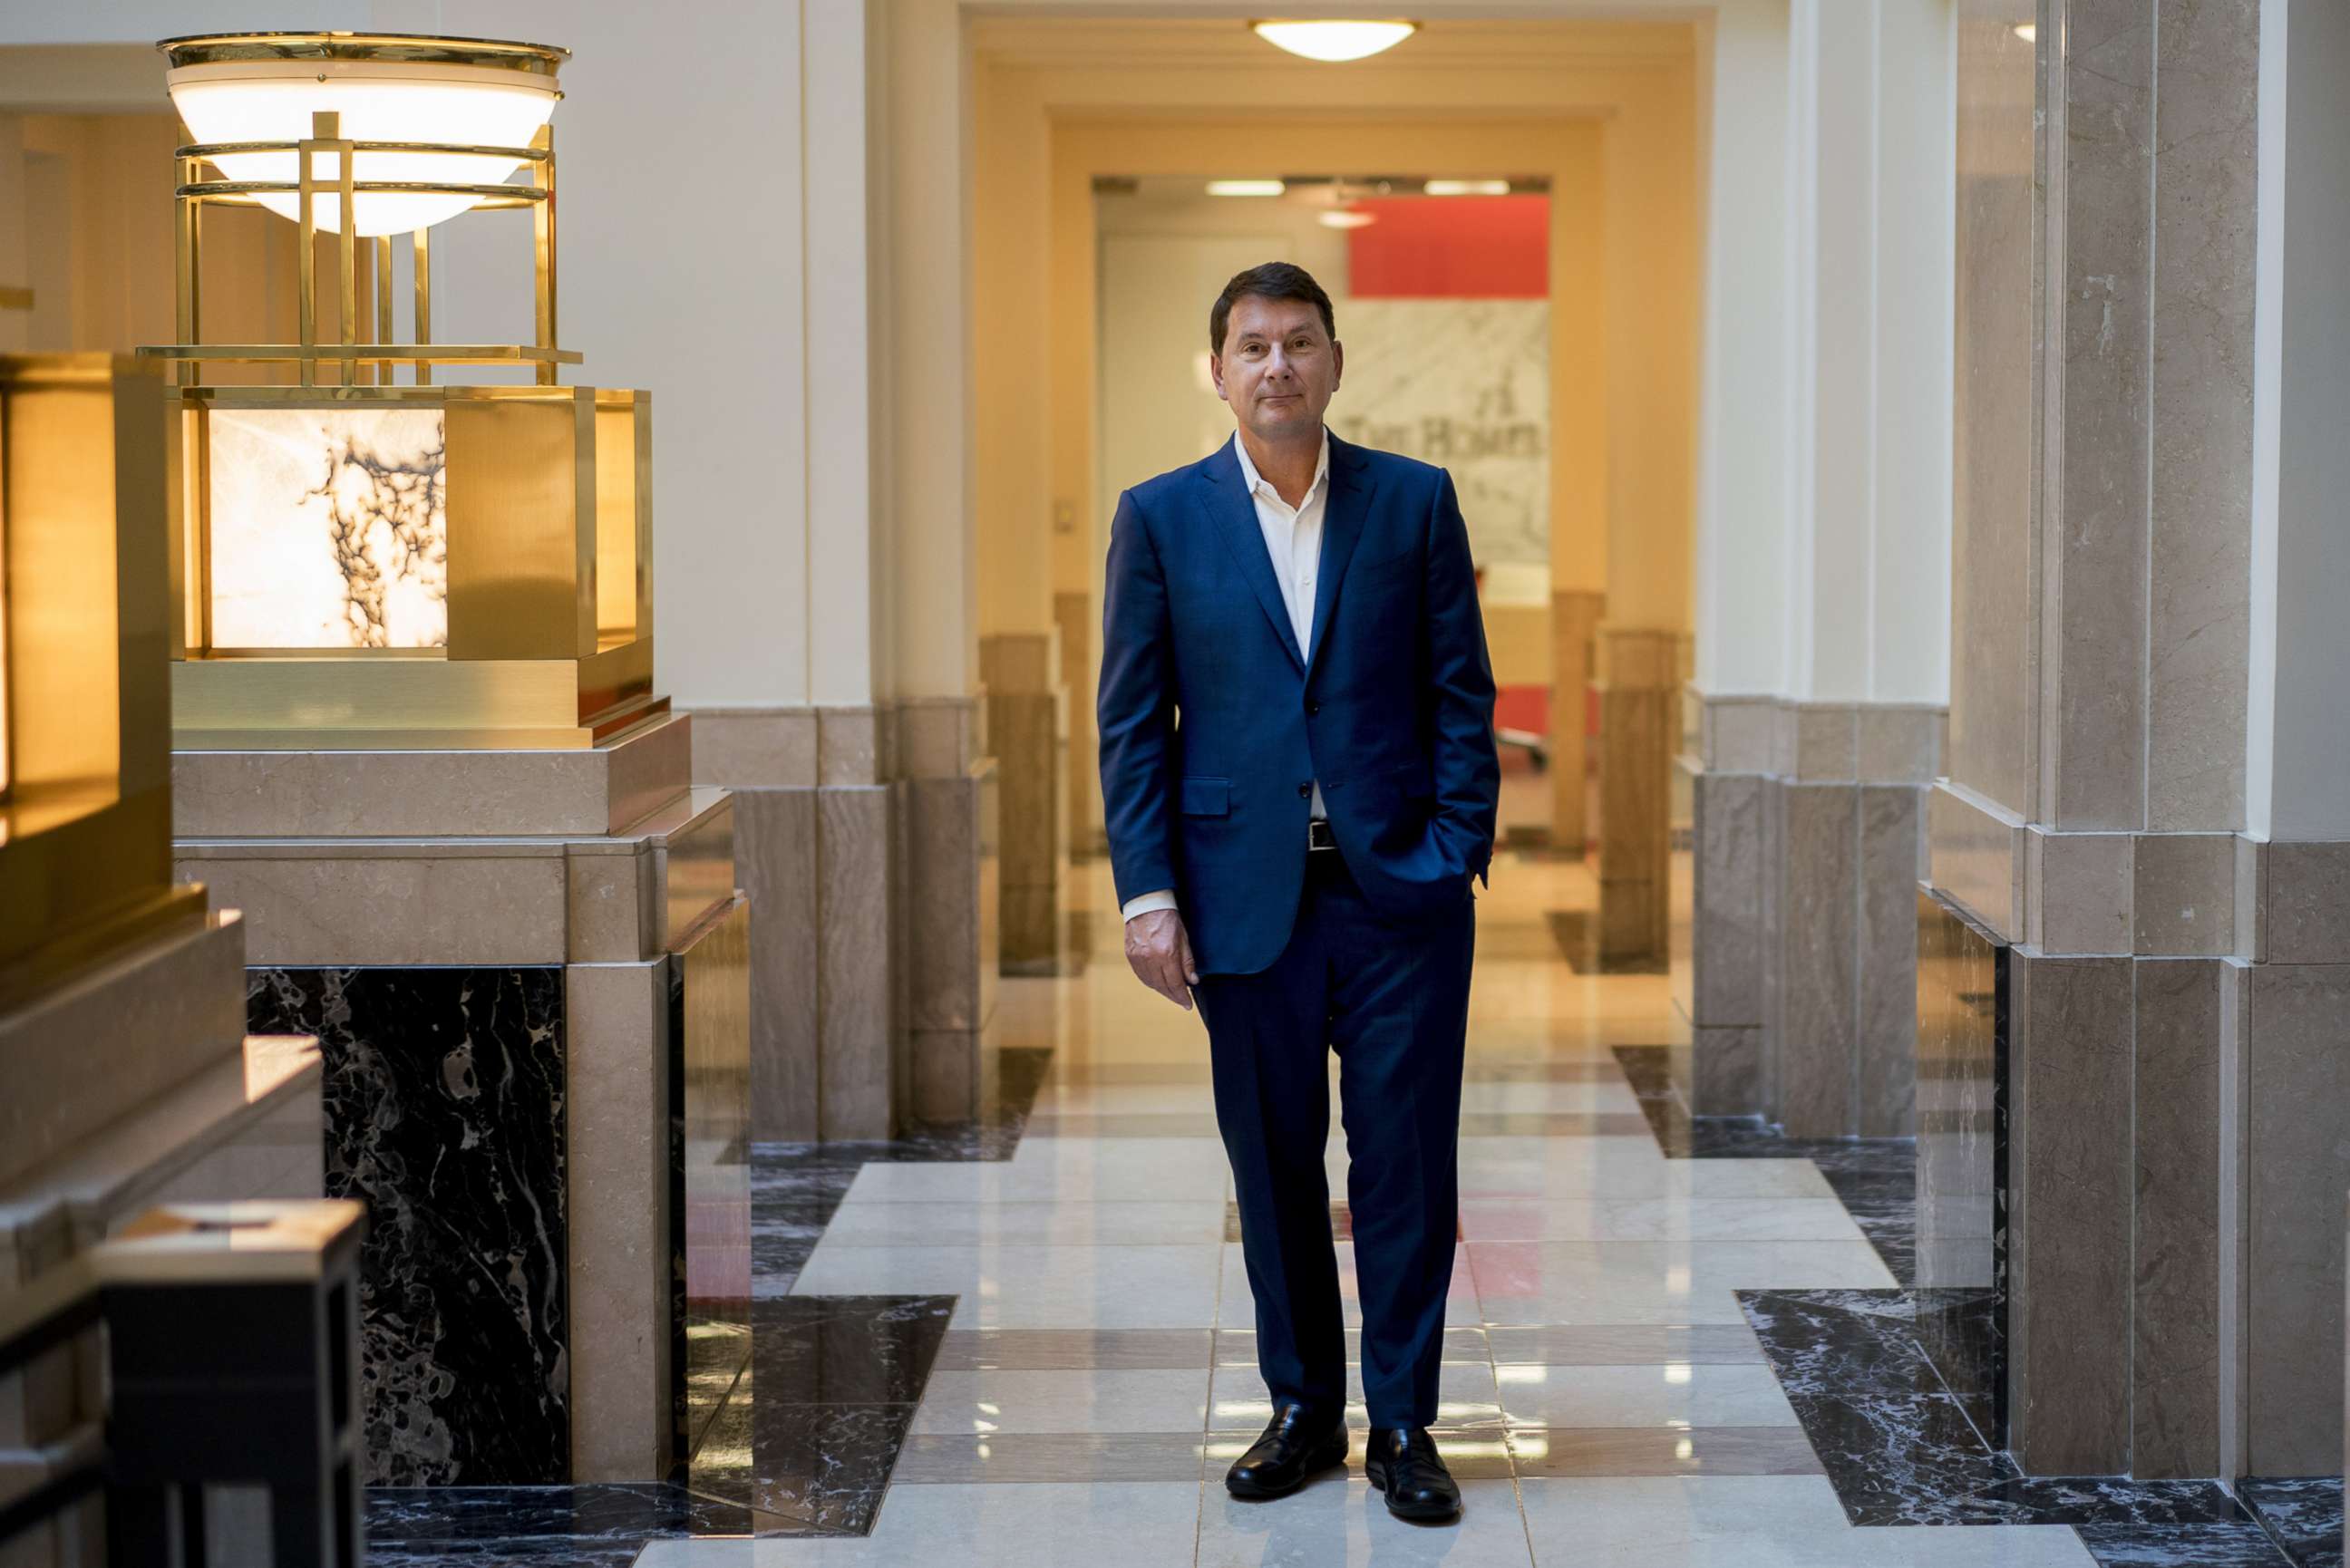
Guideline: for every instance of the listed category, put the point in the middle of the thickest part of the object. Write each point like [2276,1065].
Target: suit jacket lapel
[1342,524]
[1228,502]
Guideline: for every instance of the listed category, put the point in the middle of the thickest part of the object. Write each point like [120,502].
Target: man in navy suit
[1298,769]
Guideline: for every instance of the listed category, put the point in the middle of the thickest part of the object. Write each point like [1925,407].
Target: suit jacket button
[1305,792]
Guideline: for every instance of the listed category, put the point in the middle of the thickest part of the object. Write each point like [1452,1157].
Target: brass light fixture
[366,564]
[1334,41]
[86,813]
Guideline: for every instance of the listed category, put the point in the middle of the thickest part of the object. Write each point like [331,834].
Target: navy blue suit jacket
[1214,721]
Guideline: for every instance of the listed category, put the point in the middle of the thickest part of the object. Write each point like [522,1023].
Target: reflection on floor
[1031,1342]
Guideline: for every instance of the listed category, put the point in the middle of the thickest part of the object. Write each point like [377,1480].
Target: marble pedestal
[130,1085]
[497,950]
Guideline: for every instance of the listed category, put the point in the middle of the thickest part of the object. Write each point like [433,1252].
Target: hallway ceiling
[1226,44]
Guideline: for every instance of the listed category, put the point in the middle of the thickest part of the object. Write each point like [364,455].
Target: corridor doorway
[1440,284]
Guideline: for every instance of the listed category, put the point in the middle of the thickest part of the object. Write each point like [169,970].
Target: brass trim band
[500,54]
[222,149]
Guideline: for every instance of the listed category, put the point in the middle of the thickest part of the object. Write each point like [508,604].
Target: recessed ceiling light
[1341,220]
[1466,188]
[2027,31]
[1245,187]
[1335,40]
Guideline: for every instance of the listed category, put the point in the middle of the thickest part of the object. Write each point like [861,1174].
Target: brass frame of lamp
[545,650]
[86,825]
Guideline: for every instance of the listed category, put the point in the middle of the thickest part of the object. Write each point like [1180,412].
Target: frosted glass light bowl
[464,92]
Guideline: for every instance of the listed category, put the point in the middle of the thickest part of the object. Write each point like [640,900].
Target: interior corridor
[1029,1342]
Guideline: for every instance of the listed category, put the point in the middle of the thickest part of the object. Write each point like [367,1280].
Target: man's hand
[1160,949]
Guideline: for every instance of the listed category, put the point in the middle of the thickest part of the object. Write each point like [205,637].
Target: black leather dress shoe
[1297,1443]
[1402,1462]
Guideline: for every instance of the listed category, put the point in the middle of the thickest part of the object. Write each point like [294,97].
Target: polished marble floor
[1029,1343]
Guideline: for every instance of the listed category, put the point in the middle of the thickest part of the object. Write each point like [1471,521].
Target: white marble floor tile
[1025,1286]
[1757,1522]
[1130,1525]
[977,1403]
[1657,1282]
[1080,1171]
[976,1222]
[1340,1523]
[1506,1169]
[1465,1394]
[1675,1394]
[1487,1096]
[1672,1218]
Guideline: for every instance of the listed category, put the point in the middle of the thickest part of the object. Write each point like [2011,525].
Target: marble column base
[1809,821]
[1027,734]
[1640,723]
[1574,615]
[495,1013]
[868,848]
[2166,1166]
[147,1018]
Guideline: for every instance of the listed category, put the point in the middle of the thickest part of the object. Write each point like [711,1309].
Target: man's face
[1279,366]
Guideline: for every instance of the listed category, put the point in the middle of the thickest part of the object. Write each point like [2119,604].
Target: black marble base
[2305,1516]
[806,1438]
[444,1109]
[1898,1445]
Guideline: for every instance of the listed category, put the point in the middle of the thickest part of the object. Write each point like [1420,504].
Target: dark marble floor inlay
[812,1433]
[2302,1515]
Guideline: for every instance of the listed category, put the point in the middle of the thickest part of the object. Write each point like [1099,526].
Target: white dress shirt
[1293,537]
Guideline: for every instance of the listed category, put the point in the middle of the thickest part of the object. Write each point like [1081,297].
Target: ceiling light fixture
[2027,31]
[1466,188]
[1335,219]
[1245,187]
[1334,41]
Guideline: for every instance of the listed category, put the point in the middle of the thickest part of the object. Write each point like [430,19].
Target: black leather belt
[1317,835]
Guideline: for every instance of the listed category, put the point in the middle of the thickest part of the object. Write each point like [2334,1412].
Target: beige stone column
[2095,812]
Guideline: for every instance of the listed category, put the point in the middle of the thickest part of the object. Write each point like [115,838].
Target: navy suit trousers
[1391,999]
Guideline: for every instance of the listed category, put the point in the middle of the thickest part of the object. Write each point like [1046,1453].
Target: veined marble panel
[445,1106]
[329,528]
[1463,383]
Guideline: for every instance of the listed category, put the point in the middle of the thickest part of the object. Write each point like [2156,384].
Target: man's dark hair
[1270,280]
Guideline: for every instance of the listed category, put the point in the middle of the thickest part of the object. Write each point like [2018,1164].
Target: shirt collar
[1253,480]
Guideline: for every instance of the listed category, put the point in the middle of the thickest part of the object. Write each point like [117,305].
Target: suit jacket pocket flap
[1207,798]
[1415,779]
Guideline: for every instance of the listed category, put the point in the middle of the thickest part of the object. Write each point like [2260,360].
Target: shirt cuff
[1163,899]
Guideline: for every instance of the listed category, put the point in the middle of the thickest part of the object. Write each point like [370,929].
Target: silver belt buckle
[1317,835]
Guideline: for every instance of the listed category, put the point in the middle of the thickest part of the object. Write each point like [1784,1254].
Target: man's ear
[1338,363]
[1216,373]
